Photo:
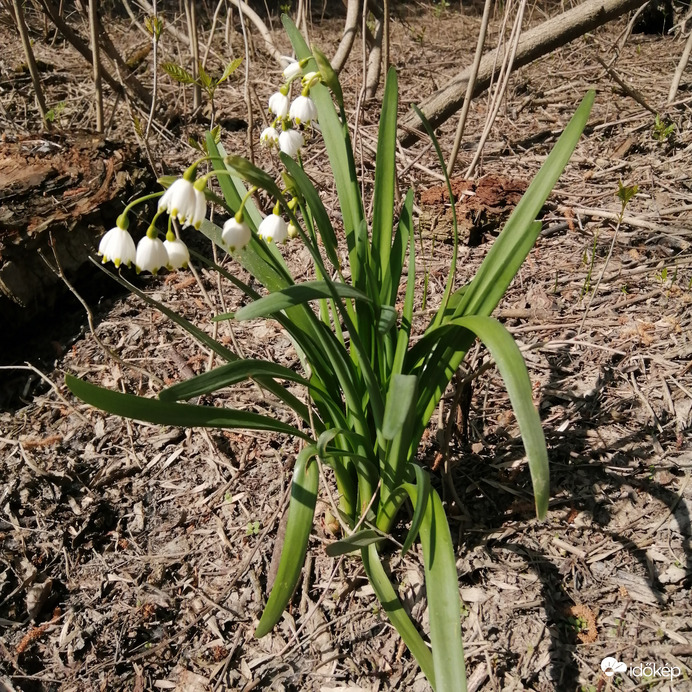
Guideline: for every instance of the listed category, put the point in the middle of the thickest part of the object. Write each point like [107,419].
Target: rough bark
[70,188]
[535,43]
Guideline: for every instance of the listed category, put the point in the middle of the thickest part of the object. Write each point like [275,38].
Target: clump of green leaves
[370,387]
[440,7]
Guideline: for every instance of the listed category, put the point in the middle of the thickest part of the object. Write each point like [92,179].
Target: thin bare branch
[30,59]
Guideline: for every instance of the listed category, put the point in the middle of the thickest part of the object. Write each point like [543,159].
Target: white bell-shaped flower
[178,254]
[151,255]
[303,110]
[292,71]
[290,141]
[278,104]
[118,247]
[235,234]
[273,228]
[269,137]
[185,202]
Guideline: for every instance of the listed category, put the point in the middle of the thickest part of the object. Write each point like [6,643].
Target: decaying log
[535,43]
[68,189]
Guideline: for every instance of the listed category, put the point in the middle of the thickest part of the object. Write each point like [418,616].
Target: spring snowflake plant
[370,389]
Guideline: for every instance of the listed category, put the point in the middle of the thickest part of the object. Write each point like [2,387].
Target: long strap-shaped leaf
[313,200]
[385,176]
[231,186]
[404,332]
[263,261]
[166,413]
[397,428]
[512,368]
[280,392]
[386,595]
[502,262]
[301,511]
[444,602]
[295,295]
[226,375]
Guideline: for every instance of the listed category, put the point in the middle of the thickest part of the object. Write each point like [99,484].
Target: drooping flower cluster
[284,131]
[184,200]
[151,254]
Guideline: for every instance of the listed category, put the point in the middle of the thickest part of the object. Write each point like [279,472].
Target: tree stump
[58,194]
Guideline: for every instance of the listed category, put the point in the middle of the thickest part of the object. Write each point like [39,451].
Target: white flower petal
[178,254]
[290,141]
[292,71]
[118,247]
[181,200]
[269,137]
[165,199]
[278,104]
[151,255]
[200,212]
[273,228]
[303,110]
[235,235]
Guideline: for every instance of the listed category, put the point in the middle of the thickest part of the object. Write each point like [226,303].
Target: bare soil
[134,557]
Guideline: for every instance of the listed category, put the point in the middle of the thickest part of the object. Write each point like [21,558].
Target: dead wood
[67,188]
[374,42]
[535,43]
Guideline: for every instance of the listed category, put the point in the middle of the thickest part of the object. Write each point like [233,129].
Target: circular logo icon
[610,666]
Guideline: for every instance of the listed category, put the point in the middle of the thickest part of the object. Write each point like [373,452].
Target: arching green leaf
[301,511]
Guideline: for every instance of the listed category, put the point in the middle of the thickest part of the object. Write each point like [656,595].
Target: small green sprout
[626,192]
[54,113]
[440,7]
[154,26]
[663,129]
